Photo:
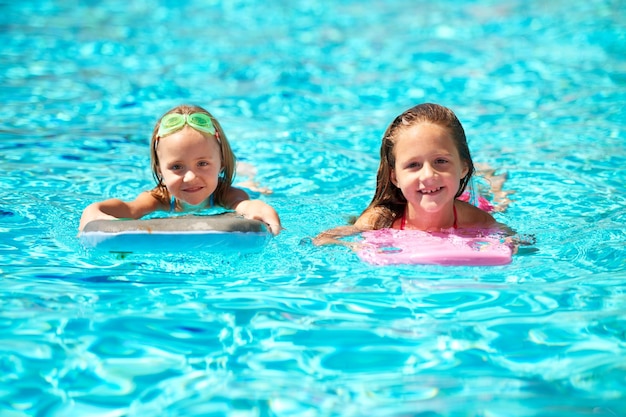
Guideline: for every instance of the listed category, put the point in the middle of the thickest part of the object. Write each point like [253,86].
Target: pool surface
[304,91]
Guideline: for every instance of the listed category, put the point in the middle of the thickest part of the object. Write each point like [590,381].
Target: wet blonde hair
[227,174]
[388,201]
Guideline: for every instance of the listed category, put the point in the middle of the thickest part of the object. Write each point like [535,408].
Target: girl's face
[189,163]
[428,167]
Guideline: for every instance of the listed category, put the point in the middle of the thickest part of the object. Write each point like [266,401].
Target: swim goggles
[173,122]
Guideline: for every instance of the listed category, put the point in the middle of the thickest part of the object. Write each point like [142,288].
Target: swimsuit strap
[454,210]
[403,221]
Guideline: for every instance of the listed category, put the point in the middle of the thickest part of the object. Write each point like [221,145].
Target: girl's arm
[239,201]
[366,221]
[258,210]
[332,236]
[117,209]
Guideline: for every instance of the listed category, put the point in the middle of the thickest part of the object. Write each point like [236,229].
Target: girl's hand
[258,210]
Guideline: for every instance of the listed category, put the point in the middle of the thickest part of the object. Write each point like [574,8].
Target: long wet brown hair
[227,173]
[388,200]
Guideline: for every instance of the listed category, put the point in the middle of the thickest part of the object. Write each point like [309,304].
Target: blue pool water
[305,90]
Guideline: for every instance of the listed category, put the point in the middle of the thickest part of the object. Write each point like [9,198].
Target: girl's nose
[189,175]
[427,171]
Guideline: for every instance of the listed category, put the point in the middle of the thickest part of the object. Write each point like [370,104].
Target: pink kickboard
[393,247]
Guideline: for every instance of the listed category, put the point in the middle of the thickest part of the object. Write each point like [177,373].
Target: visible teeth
[430,191]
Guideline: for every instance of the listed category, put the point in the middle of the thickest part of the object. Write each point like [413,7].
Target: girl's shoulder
[229,197]
[152,201]
[471,216]
[377,217]
[367,219]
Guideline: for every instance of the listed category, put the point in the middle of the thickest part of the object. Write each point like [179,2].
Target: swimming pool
[304,91]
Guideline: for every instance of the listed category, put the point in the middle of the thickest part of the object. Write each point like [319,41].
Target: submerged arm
[367,221]
[332,236]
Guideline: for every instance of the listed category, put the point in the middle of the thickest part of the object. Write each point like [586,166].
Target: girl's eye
[413,165]
[203,164]
[176,167]
[442,161]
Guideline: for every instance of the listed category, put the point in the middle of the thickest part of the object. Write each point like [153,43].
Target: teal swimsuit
[173,203]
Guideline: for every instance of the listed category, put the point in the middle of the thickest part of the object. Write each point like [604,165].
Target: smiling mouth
[192,190]
[431,191]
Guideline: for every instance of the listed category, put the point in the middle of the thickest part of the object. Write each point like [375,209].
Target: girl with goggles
[194,167]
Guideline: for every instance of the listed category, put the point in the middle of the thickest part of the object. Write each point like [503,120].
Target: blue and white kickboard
[216,233]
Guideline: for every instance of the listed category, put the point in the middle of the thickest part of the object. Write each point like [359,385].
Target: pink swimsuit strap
[403,221]
[454,210]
